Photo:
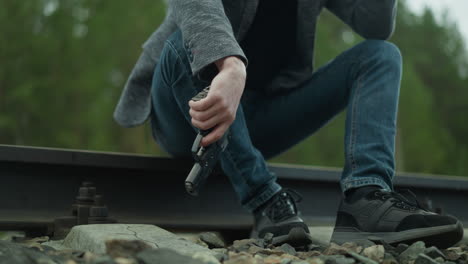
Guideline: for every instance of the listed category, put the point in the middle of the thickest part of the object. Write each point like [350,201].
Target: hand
[218,109]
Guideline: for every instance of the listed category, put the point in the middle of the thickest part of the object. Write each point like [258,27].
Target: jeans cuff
[364,181]
[264,195]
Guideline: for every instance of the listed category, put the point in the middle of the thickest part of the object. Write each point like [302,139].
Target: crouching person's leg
[172,88]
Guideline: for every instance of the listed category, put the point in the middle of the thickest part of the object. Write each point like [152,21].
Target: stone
[353,247]
[240,258]
[36,240]
[412,252]
[254,250]
[45,261]
[56,244]
[453,253]
[67,254]
[389,259]
[201,243]
[13,253]
[362,259]
[308,254]
[125,261]
[344,261]
[291,257]
[424,259]
[335,249]
[34,243]
[164,256]
[88,256]
[338,259]
[268,238]
[212,240]
[316,260]
[93,237]
[315,247]
[125,248]
[440,260]
[244,244]
[376,252]
[220,250]
[11,235]
[452,256]
[206,258]
[457,250]
[288,249]
[321,235]
[272,259]
[220,253]
[434,253]
[102,260]
[400,248]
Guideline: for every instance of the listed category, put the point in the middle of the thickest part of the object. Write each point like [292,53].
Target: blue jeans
[365,79]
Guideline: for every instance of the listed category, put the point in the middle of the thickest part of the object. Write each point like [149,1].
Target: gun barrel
[192,181]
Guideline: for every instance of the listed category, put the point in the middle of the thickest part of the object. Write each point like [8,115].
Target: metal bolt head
[85,196]
[87,184]
[85,192]
[98,200]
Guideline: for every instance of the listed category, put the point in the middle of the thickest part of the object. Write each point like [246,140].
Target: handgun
[205,157]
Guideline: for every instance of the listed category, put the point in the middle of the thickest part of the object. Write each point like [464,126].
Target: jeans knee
[384,52]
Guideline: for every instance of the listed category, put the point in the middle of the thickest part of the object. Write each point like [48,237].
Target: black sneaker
[280,217]
[390,217]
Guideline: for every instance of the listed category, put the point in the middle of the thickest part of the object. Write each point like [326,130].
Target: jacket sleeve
[372,19]
[206,32]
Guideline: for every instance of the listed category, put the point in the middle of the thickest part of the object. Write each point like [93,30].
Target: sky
[457,10]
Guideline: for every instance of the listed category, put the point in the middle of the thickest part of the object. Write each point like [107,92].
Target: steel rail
[40,184]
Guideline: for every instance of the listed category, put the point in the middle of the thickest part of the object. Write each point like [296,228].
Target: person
[257,57]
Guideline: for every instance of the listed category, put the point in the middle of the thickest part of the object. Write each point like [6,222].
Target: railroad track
[40,184]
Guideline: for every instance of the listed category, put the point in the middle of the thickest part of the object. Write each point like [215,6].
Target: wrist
[231,63]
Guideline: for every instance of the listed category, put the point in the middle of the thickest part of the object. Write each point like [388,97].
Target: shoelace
[284,205]
[404,199]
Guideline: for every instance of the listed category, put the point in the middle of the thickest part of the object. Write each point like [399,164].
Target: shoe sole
[439,236]
[297,237]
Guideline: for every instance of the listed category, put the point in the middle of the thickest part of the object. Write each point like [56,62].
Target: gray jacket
[212,29]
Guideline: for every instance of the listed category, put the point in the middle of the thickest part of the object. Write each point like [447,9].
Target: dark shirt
[269,41]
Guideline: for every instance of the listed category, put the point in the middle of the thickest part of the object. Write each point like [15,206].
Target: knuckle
[223,105]
[217,97]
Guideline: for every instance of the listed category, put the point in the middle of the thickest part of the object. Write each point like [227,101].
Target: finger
[204,103]
[205,115]
[210,123]
[215,135]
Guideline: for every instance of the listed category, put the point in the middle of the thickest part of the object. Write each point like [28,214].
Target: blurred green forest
[64,63]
